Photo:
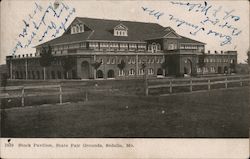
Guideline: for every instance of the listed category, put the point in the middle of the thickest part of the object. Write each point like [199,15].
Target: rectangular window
[121,73]
[131,72]
[150,71]
[172,46]
[141,72]
[212,69]
[113,61]
[114,45]
[104,45]
[83,44]
[142,46]
[132,45]
[93,44]
[123,45]
[133,61]
[129,61]
[198,69]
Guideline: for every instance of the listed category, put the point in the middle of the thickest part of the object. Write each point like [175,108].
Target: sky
[190,18]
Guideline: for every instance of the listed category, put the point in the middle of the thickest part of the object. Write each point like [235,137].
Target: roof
[102,29]
[188,40]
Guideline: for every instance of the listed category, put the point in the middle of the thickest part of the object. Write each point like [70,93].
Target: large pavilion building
[123,49]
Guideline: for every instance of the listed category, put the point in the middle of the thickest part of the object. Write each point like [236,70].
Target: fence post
[146,84]
[22,96]
[170,88]
[209,86]
[60,96]
[191,85]
[226,83]
[241,84]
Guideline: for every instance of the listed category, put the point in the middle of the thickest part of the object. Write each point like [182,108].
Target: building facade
[106,49]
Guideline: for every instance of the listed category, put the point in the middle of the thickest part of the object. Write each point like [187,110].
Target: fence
[23,95]
[191,82]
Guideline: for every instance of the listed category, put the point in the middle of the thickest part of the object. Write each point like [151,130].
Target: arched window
[219,69]
[53,75]
[158,47]
[24,74]
[159,72]
[17,75]
[99,74]
[47,75]
[33,74]
[154,47]
[74,76]
[29,75]
[225,69]
[111,74]
[38,74]
[21,74]
[59,75]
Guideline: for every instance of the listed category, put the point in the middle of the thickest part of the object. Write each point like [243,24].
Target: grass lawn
[217,113]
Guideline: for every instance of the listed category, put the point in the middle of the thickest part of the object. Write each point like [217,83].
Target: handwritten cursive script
[43,23]
[215,22]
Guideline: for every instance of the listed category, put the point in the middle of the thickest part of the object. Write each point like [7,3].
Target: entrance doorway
[85,70]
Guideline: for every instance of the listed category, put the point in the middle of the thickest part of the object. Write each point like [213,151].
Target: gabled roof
[102,29]
[120,26]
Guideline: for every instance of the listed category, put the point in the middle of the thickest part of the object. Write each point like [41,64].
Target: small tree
[96,65]
[67,64]
[46,59]
[121,65]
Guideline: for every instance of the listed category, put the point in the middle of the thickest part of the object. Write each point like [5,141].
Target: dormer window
[77,28]
[120,30]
